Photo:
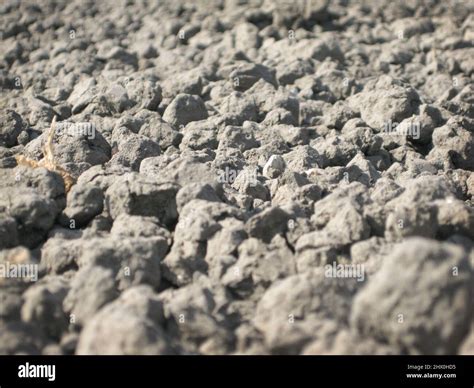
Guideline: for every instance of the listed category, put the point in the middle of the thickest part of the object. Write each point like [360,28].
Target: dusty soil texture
[236,177]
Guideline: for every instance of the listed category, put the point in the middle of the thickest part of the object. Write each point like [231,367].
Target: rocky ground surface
[249,177]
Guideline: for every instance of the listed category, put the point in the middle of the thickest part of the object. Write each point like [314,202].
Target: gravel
[253,177]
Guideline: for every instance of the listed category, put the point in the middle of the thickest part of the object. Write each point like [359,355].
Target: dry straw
[48,161]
